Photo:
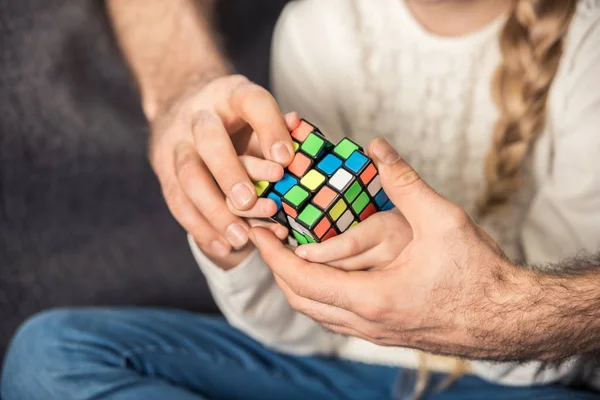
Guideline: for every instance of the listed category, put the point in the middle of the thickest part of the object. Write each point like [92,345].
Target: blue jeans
[146,354]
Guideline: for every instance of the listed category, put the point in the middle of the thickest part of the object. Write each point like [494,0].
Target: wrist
[497,323]
[535,316]
[162,93]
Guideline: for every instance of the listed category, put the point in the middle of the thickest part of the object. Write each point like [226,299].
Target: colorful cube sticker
[326,189]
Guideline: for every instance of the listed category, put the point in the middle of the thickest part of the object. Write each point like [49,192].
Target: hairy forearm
[168,45]
[549,315]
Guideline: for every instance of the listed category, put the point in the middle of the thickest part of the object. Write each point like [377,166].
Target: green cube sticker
[300,238]
[360,203]
[353,192]
[296,195]
[309,239]
[309,215]
[345,148]
[312,145]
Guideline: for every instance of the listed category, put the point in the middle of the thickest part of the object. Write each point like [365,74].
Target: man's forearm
[552,315]
[168,45]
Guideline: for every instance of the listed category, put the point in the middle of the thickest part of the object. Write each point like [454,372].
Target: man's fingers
[200,188]
[263,208]
[358,292]
[193,222]
[320,312]
[292,120]
[354,241]
[365,261]
[257,107]
[218,153]
[415,199]
[279,230]
[261,170]
[333,318]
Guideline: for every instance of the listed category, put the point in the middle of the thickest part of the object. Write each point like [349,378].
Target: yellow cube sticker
[312,180]
[338,209]
[261,186]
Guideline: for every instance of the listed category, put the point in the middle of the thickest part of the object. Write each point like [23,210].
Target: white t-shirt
[364,69]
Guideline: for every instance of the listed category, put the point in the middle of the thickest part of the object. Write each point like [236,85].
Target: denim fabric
[147,354]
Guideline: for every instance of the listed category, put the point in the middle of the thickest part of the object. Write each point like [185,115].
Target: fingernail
[219,249]
[281,153]
[242,195]
[300,252]
[236,235]
[384,152]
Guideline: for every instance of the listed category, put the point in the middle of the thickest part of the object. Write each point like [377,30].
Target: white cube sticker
[345,221]
[340,179]
[375,186]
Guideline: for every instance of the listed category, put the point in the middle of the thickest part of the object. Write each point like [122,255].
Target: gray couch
[82,220]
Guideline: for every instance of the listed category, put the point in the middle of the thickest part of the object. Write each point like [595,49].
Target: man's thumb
[409,193]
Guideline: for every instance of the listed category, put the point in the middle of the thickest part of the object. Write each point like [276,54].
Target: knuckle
[373,332]
[296,303]
[377,309]
[404,175]
[457,217]
[389,251]
[369,311]
[353,245]
[172,194]
[300,286]
[226,176]
[203,118]
[202,122]
[185,165]
[213,211]
[250,93]
[237,79]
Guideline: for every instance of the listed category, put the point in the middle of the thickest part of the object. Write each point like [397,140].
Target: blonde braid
[532,46]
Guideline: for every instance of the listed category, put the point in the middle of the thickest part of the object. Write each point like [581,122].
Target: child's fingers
[354,241]
[370,259]
[264,208]
[279,230]
[259,169]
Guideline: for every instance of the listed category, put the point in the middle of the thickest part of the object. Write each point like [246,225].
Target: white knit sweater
[365,68]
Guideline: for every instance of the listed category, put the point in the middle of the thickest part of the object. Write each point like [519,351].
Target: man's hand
[195,150]
[206,124]
[450,291]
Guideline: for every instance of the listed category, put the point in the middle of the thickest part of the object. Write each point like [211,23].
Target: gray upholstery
[82,220]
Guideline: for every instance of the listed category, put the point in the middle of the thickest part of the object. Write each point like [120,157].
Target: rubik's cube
[326,189]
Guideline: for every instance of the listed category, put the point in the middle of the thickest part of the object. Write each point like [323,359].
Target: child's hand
[372,244]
